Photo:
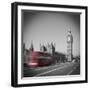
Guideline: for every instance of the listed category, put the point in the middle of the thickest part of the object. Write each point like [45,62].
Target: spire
[40,47]
[31,47]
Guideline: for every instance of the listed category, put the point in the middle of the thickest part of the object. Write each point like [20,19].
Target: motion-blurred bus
[38,59]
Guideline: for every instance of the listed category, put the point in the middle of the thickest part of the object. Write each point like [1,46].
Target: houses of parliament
[50,48]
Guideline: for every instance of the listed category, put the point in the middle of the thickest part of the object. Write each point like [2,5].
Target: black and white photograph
[49,44]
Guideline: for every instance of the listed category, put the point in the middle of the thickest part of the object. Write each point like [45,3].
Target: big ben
[69,46]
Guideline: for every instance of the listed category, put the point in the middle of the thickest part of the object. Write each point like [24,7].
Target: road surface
[68,68]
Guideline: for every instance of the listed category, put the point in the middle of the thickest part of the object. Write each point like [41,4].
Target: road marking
[71,71]
[50,71]
[48,67]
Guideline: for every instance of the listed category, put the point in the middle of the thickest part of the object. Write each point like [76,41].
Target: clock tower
[69,46]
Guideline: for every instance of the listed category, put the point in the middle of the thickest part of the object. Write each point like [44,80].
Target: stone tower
[43,48]
[31,47]
[69,46]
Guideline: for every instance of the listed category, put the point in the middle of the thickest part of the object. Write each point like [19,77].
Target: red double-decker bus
[37,59]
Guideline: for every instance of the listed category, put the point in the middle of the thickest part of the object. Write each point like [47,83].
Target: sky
[46,27]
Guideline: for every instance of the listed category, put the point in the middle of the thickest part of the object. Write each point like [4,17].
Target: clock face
[69,38]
